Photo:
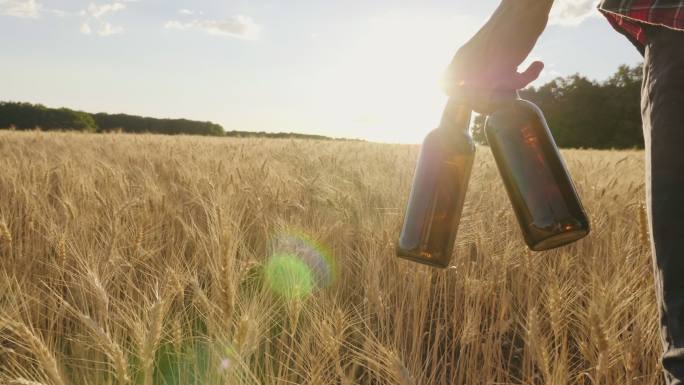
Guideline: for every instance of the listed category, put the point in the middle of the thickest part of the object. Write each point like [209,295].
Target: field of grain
[184,260]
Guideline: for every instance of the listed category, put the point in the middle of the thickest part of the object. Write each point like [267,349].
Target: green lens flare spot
[230,351]
[316,257]
[289,277]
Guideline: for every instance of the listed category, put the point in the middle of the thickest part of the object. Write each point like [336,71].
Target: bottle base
[559,240]
[423,258]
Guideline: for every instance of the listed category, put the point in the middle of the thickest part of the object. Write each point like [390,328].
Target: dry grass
[140,260]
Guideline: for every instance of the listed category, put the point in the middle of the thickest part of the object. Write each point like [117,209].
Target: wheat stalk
[129,211]
[61,252]
[5,236]
[23,381]
[44,355]
[151,340]
[111,349]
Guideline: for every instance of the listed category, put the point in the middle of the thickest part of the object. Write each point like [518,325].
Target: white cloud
[21,8]
[189,12]
[107,29]
[57,12]
[572,12]
[175,24]
[85,29]
[95,18]
[97,11]
[239,26]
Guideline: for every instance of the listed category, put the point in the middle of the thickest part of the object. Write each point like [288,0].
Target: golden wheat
[183,260]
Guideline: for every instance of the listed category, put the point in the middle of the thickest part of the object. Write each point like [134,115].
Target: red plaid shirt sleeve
[629,16]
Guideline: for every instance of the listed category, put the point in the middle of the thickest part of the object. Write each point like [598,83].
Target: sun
[388,86]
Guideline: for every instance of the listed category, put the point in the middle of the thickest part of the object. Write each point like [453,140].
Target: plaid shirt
[628,16]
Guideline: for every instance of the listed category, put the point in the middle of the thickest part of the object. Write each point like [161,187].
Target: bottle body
[538,184]
[439,187]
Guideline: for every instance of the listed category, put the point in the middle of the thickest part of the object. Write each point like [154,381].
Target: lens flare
[298,266]
[288,276]
[225,365]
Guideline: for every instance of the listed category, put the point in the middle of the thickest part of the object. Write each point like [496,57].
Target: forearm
[535,7]
[529,15]
[514,27]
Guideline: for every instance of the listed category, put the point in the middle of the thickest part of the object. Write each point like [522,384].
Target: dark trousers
[662,109]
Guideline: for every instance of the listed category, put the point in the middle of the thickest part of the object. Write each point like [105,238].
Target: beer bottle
[439,189]
[544,198]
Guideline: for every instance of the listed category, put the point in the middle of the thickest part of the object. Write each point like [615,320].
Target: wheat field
[183,260]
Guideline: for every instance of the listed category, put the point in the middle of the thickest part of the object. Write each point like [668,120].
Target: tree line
[27,116]
[140,124]
[582,113]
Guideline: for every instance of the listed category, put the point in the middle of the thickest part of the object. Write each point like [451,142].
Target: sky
[354,68]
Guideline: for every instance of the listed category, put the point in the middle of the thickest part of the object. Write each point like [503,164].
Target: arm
[489,60]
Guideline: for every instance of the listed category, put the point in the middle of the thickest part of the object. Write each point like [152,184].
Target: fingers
[532,72]
[455,79]
[520,80]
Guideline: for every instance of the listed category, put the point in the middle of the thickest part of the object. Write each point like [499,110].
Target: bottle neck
[456,116]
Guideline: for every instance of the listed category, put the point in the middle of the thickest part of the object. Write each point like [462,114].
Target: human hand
[485,69]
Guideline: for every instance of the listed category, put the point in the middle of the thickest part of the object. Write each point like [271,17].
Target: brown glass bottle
[439,188]
[538,184]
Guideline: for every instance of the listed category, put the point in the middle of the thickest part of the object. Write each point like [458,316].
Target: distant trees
[589,114]
[139,124]
[281,135]
[26,116]
[580,113]
[29,116]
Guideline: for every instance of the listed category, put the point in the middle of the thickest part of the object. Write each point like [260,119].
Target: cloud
[189,12]
[27,9]
[239,26]
[85,29]
[95,15]
[107,29]
[97,11]
[572,12]
[175,24]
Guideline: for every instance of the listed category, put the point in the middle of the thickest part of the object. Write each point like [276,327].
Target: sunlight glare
[391,89]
